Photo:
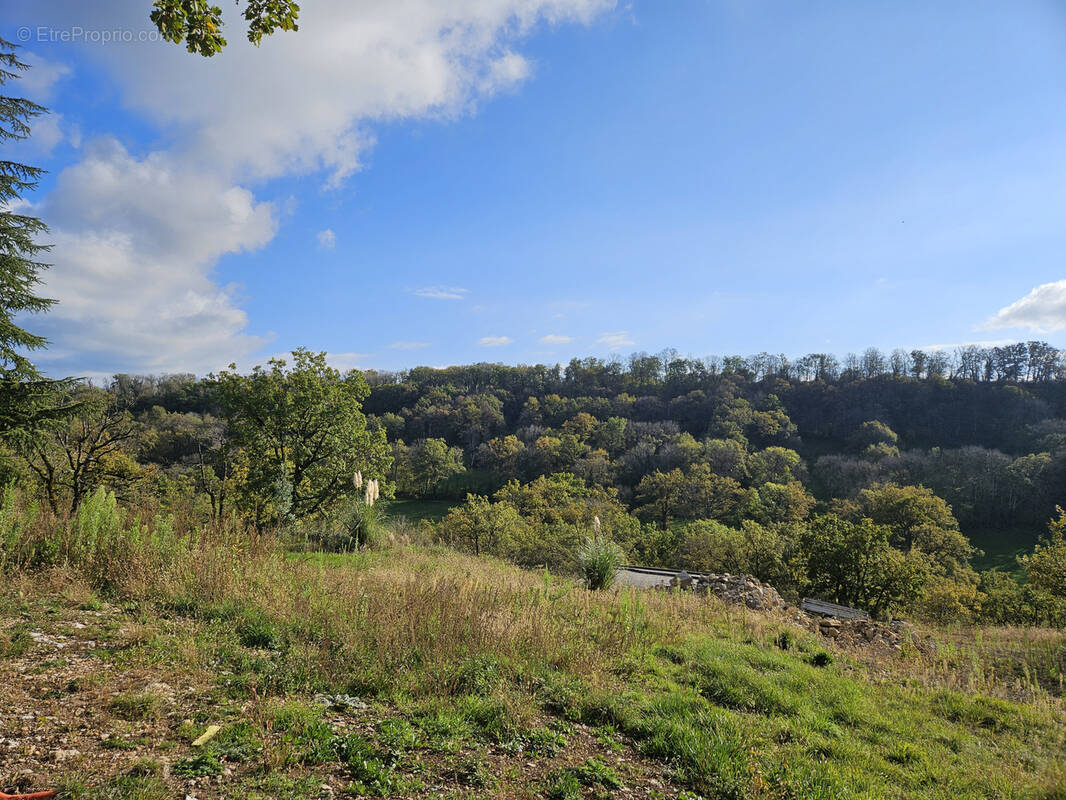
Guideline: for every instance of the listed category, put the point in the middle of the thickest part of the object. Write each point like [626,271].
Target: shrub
[599,560]
[356,526]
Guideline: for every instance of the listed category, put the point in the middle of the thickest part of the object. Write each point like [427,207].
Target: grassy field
[420,672]
[1001,547]
[418,510]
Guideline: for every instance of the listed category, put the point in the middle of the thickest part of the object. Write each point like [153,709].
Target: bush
[356,526]
[599,560]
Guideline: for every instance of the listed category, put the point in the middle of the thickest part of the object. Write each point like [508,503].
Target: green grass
[136,706]
[418,510]
[463,661]
[1002,546]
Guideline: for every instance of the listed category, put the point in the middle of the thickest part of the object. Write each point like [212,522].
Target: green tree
[480,525]
[433,461]
[873,432]
[1046,570]
[198,24]
[73,455]
[300,431]
[501,455]
[661,494]
[781,503]
[855,564]
[764,552]
[773,465]
[25,397]
[708,496]
[919,519]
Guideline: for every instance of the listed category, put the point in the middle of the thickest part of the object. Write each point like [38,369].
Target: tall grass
[132,553]
[709,690]
[599,560]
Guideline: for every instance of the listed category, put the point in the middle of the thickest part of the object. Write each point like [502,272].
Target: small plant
[135,707]
[371,771]
[201,765]
[256,631]
[599,559]
[821,659]
[607,735]
[15,642]
[562,785]
[303,731]
[596,773]
[545,742]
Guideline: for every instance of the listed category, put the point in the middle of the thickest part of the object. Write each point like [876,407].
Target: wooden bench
[832,609]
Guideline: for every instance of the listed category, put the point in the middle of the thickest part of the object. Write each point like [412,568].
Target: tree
[198,24]
[708,496]
[774,464]
[501,455]
[764,552]
[662,492]
[1046,570]
[480,525]
[432,461]
[73,456]
[301,435]
[25,397]
[854,564]
[781,502]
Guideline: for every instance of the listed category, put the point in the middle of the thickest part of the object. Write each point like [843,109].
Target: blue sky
[433,182]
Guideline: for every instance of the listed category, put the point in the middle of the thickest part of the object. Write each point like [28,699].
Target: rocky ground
[105,702]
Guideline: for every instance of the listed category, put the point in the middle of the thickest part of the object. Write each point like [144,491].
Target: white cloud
[47,132]
[494,341]
[555,338]
[1042,310]
[132,261]
[327,239]
[138,235]
[616,340]
[408,345]
[38,82]
[303,101]
[441,292]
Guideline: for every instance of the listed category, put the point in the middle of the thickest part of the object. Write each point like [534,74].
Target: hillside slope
[425,673]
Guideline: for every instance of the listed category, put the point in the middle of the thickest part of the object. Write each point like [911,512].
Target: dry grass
[475,648]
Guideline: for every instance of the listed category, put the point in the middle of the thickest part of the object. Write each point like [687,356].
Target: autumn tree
[301,435]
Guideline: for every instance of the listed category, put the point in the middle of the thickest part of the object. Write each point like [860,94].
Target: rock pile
[861,631]
[741,590]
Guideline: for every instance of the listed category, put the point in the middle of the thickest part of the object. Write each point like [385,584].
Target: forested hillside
[983,429]
[927,468]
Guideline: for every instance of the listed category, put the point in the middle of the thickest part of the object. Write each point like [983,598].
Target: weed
[136,706]
[545,742]
[596,773]
[562,785]
[15,642]
[201,765]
